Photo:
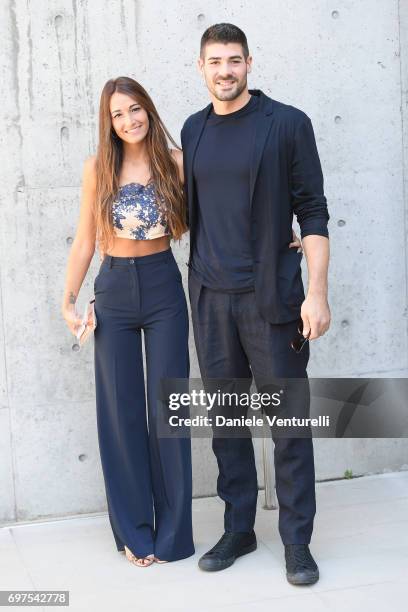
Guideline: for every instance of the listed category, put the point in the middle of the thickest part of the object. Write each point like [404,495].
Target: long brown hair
[163,167]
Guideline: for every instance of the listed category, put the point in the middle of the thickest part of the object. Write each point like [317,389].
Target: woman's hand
[296,242]
[73,320]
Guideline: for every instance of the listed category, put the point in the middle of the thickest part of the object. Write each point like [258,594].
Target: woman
[133,204]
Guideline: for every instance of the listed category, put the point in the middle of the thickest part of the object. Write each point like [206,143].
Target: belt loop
[110,260]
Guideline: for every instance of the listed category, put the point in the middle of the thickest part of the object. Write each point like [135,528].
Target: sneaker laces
[301,558]
[224,544]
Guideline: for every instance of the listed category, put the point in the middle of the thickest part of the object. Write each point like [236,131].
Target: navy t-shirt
[222,258]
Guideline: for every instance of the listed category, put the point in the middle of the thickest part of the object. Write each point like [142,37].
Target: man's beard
[228,96]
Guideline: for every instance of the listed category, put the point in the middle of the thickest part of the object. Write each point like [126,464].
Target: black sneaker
[301,568]
[227,549]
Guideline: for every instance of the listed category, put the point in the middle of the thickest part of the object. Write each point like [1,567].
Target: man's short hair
[224,33]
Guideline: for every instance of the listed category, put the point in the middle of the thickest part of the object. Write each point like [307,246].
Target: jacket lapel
[192,147]
[262,128]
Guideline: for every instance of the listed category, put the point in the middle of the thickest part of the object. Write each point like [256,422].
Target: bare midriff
[129,247]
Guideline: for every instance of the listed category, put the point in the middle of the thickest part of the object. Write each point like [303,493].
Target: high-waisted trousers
[148,479]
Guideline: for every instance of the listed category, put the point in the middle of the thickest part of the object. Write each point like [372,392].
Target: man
[250,162]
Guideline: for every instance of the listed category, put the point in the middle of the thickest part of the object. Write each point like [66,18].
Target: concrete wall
[344,63]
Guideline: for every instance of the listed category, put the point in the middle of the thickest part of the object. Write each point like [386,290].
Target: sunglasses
[299,342]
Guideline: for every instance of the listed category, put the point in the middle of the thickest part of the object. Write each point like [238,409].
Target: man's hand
[315,313]
[315,310]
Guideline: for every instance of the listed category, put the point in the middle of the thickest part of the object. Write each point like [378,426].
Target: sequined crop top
[136,213]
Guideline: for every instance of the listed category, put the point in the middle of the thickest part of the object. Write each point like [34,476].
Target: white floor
[360,542]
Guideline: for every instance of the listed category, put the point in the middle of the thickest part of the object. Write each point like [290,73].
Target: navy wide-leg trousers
[234,341]
[147,478]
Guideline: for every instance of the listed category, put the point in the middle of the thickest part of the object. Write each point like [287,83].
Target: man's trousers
[233,340]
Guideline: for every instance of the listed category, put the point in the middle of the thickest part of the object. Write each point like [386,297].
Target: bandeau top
[137,214]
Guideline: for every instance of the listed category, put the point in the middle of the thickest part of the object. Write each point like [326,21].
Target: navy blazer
[285,178]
